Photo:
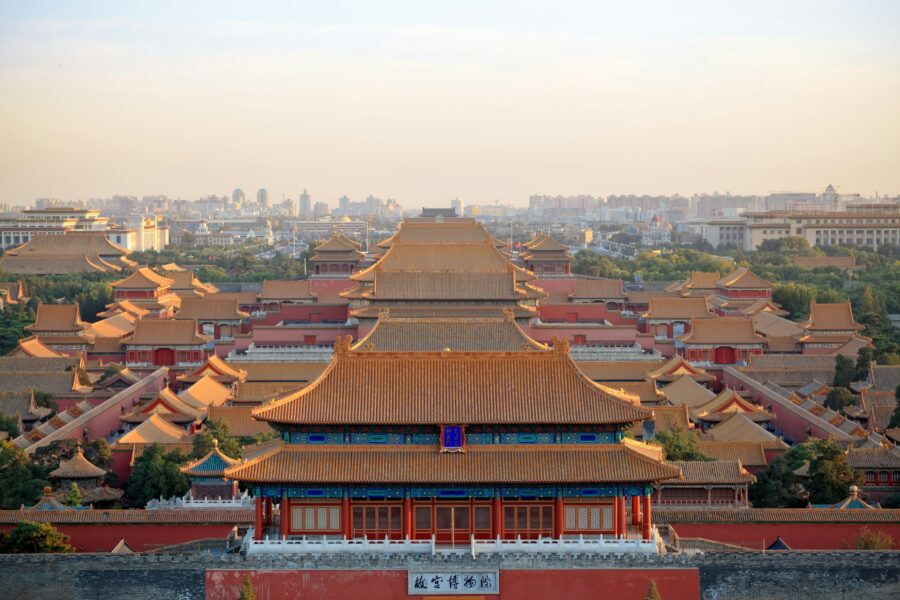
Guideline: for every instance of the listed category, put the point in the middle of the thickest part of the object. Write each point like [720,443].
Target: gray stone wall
[738,576]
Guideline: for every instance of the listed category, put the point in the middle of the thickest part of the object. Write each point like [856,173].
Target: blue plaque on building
[452,438]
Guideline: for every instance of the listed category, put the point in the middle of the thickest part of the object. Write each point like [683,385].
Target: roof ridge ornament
[560,345]
[342,346]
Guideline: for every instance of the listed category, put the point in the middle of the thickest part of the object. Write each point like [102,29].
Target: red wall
[799,536]
[103,538]
[620,584]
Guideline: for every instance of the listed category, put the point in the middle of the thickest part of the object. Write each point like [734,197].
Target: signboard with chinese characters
[452,438]
[453,582]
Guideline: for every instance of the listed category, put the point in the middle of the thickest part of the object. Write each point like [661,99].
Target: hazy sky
[483,100]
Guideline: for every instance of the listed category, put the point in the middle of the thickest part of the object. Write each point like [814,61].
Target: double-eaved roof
[453,262]
[70,252]
[487,464]
[432,388]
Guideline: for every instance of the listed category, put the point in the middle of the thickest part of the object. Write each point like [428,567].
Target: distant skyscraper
[320,210]
[237,198]
[305,204]
[344,204]
[457,204]
[262,198]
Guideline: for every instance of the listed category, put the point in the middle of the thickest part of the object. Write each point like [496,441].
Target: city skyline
[422,105]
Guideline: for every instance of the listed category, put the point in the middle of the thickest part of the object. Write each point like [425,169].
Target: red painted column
[559,515]
[345,518]
[408,518]
[621,516]
[268,508]
[635,510]
[497,518]
[647,520]
[616,530]
[258,520]
[285,516]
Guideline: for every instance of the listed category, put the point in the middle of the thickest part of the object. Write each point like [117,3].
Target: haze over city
[422,104]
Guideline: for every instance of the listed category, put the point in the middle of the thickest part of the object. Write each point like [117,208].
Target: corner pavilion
[452,445]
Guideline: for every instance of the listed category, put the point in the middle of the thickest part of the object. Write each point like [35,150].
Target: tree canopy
[21,481]
[32,538]
[829,477]
[156,474]
[680,445]
[215,430]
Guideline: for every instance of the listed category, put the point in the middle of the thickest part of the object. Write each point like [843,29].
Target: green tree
[156,474]
[844,371]
[215,430]
[892,501]
[863,361]
[874,540]
[895,417]
[73,496]
[778,486]
[247,592]
[32,538]
[680,445]
[652,591]
[45,400]
[830,474]
[840,397]
[794,298]
[10,425]
[21,482]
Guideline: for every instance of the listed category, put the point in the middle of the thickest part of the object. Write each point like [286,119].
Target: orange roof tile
[667,307]
[822,262]
[831,317]
[696,472]
[32,346]
[123,306]
[597,288]
[674,368]
[500,334]
[286,289]
[614,371]
[164,332]
[211,308]
[743,278]
[77,467]
[729,402]
[750,454]
[239,421]
[143,279]
[205,392]
[556,463]
[685,391]
[154,430]
[724,330]
[57,317]
[451,387]
[738,428]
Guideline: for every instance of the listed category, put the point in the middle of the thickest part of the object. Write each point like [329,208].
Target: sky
[427,101]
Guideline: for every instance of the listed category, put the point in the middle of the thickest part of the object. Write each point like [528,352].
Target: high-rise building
[237,198]
[457,204]
[344,204]
[320,210]
[262,198]
[305,204]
